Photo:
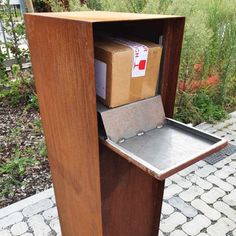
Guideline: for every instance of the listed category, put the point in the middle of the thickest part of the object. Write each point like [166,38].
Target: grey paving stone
[178,233]
[219,126]
[233,114]
[10,220]
[172,190]
[225,209]
[183,207]
[228,131]
[50,213]
[191,193]
[221,227]
[232,127]
[5,233]
[233,164]
[230,199]
[220,133]
[222,163]
[160,233]
[55,225]
[201,163]
[182,182]
[231,180]
[213,195]
[230,121]
[199,181]
[188,170]
[38,207]
[229,137]
[53,199]
[39,226]
[204,126]
[225,172]
[18,206]
[233,157]
[167,209]
[208,211]
[168,182]
[234,143]
[195,226]
[169,224]
[19,228]
[220,183]
[205,171]
[211,130]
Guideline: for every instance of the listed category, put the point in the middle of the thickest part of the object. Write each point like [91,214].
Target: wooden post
[97,193]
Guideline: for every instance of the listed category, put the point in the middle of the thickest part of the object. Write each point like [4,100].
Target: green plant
[13,171]
[230,100]
[42,149]
[41,6]
[14,135]
[94,4]
[37,126]
[17,165]
[15,29]
[18,88]
[136,5]
[198,107]
[32,102]
[2,65]
[6,186]
[221,53]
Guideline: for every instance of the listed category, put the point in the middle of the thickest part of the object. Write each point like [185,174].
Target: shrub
[13,171]
[18,88]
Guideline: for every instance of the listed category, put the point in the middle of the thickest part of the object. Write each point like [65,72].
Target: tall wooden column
[97,193]
[62,58]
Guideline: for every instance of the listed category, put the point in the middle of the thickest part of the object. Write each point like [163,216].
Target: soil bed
[21,136]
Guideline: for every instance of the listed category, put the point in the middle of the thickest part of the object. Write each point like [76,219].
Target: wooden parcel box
[105,186]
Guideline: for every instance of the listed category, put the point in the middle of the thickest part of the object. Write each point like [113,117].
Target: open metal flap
[130,120]
[142,134]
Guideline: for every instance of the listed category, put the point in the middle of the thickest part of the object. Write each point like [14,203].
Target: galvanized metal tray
[161,146]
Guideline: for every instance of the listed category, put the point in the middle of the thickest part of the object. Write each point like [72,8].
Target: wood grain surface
[131,198]
[104,16]
[62,58]
[172,43]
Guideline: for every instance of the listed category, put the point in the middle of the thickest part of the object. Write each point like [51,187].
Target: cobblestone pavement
[200,200]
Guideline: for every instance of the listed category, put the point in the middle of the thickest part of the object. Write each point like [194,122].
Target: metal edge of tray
[162,174]
[193,130]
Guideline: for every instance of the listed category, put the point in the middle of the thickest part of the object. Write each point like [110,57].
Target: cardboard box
[125,71]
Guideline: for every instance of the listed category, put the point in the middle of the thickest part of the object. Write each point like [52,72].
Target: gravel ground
[21,134]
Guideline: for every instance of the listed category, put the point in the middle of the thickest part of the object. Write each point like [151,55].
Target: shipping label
[140,56]
[100,75]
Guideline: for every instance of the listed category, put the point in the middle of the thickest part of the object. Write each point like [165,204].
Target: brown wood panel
[172,44]
[131,198]
[62,58]
[104,16]
[144,29]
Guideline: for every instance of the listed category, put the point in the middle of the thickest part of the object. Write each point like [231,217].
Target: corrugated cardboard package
[125,71]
